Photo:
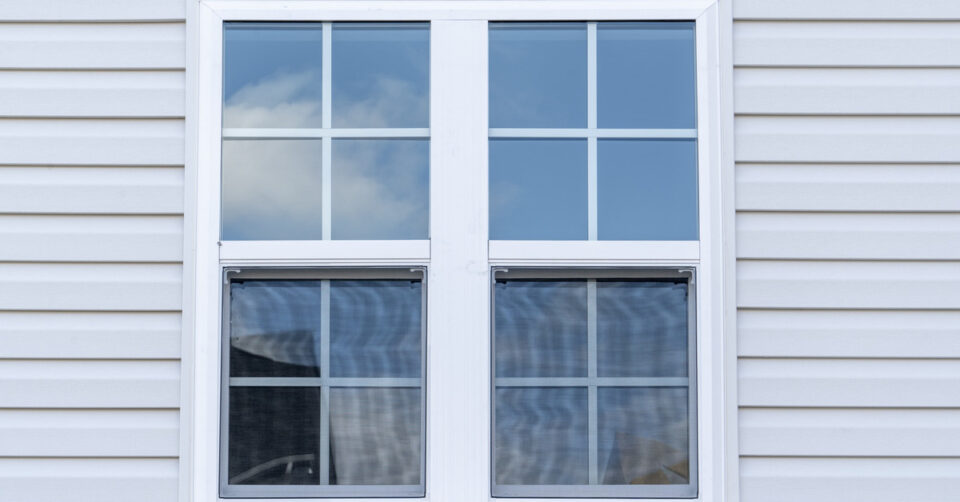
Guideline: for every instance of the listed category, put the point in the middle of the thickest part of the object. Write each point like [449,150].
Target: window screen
[324,375]
[594,383]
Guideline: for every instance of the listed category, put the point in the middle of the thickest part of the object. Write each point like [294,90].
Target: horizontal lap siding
[848,247]
[91,249]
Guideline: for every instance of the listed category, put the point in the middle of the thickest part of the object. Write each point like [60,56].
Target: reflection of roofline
[276,345]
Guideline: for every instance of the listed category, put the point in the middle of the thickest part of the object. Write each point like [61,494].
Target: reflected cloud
[390,102]
[271,189]
[284,99]
[380,189]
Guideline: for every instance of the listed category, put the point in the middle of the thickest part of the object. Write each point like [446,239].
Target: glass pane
[375,328]
[274,436]
[381,74]
[541,328]
[538,75]
[541,436]
[375,436]
[646,75]
[275,328]
[271,74]
[271,190]
[647,189]
[641,329]
[538,189]
[381,189]
[643,436]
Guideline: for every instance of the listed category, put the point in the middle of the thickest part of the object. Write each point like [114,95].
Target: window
[593,137]
[456,251]
[325,137]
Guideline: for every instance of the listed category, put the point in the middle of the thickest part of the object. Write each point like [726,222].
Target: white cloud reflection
[282,100]
[380,189]
[391,103]
[272,188]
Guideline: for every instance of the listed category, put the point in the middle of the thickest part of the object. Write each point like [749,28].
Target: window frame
[464,207]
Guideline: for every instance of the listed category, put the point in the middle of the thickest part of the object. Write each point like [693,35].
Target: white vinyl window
[457,251]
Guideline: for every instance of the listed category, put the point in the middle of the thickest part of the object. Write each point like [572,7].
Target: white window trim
[458,367]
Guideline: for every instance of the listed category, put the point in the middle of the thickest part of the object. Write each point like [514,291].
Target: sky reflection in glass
[381,74]
[381,189]
[538,189]
[271,74]
[538,75]
[647,189]
[271,189]
[646,75]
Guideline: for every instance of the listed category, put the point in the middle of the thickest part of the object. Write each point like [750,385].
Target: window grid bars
[325,389]
[320,381]
[592,164]
[592,374]
[326,117]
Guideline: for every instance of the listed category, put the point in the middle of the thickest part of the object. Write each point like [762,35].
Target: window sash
[593,382]
[325,382]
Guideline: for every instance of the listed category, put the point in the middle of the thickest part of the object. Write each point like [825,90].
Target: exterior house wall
[91,203]
[848,247]
[848,243]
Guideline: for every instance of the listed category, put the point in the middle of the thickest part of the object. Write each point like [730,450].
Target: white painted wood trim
[609,252]
[729,457]
[710,277]
[205,311]
[324,252]
[366,10]
[189,447]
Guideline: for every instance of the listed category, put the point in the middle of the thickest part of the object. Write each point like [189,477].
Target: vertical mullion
[592,375]
[325,382]
[592,125]
[326,97]
[458,376]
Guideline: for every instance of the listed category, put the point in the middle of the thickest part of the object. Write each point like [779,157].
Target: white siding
[91,237]
[848,247]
